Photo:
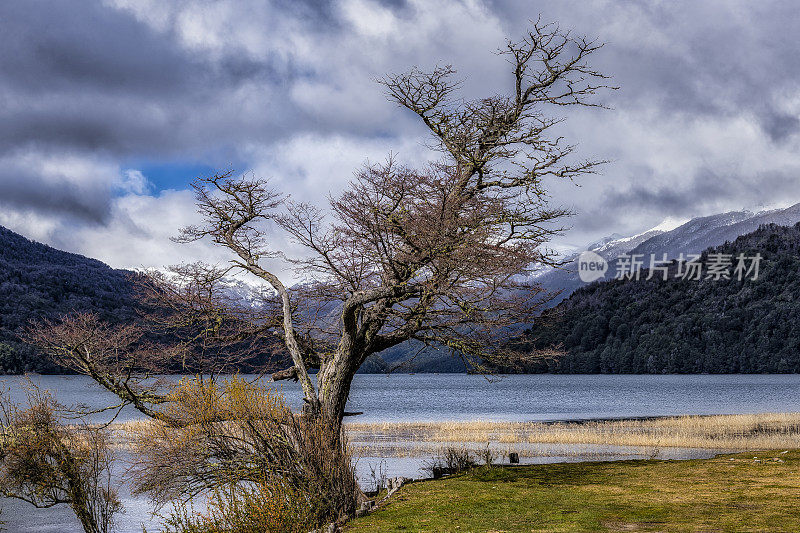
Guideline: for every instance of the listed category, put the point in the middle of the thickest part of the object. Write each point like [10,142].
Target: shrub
[45,462]
[238,442]
[245,508]
[450,460]
[488,456]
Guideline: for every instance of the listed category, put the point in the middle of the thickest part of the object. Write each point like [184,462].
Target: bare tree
[187,323]
[435,254]
[115,356]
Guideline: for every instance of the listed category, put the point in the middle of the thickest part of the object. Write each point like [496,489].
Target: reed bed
[728,433]
[723,432]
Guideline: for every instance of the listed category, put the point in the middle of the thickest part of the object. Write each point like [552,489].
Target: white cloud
[133,181]
[311,167]
[288,90]
[370,19]
[139,231]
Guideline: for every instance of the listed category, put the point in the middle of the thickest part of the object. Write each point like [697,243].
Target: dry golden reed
[728,432]
[717,432]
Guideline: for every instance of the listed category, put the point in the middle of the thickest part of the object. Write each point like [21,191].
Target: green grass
[726,493]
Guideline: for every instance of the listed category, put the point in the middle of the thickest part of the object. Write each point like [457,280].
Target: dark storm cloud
[83,76]
[217,81]
[779,125]
[682,200]
[63,46]
[28,191]
[706,192]
[74,74]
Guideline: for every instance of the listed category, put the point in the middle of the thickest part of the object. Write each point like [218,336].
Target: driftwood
[289,373]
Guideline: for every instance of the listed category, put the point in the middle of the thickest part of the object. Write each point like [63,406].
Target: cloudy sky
[109,108]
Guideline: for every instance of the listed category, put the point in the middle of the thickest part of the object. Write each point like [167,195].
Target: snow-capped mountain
[688,238]
[700,233]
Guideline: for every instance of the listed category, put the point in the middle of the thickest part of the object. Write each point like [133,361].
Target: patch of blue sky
[163,175]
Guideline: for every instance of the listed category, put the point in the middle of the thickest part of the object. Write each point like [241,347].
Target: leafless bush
[241,443]
[448,461]
[245,508]
[488,456]
[652,452]
[377,475]
[45,462]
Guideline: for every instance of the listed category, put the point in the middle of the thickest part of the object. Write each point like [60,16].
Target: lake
[540,397]
[437,397]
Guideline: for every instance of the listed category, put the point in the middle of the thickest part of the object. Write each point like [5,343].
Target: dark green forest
[37,281]
[683,325]
[616,326]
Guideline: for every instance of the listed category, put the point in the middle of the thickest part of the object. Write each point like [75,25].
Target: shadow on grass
[589,473]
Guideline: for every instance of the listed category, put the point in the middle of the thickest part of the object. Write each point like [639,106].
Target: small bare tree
[46,462]
[188,324]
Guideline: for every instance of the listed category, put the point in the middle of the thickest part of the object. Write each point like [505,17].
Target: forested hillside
[684,325]
[616,326]
[691,237]
[38,281]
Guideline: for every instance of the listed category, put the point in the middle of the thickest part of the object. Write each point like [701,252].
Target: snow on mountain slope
[688,238]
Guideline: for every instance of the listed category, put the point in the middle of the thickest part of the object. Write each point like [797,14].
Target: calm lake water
[432,397]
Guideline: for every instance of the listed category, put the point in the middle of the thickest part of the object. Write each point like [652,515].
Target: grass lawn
[727,493]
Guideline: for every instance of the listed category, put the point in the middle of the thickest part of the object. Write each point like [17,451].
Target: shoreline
[726,433]
[727,492]
[710,432]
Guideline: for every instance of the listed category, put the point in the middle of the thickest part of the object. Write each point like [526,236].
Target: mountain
[37,281]
[689,238]
[411,357]
[701,233]
[684,325]
[564,280]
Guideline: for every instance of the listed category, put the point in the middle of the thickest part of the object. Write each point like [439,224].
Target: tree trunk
[333,385]
[333,389]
